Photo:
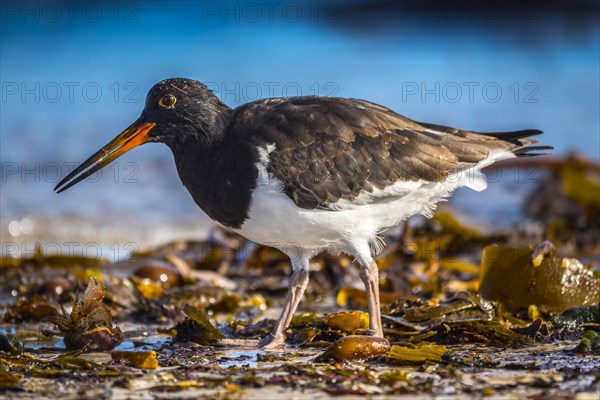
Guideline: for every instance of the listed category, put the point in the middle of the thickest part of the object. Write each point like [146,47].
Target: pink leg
[369,274]
[297,286]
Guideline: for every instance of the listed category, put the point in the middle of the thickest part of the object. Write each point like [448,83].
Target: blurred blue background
[74,74]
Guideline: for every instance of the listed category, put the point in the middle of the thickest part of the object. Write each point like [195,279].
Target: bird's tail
[481,144]
[522,142]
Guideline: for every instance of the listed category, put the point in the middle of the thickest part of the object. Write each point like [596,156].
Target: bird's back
[328,151]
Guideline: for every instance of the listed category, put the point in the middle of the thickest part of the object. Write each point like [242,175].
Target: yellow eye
[168,101]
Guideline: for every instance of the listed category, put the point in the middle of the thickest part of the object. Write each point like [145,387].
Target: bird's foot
[253,343]
[374,332]
[271,342]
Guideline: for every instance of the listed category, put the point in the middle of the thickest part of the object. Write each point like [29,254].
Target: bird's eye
[168,101]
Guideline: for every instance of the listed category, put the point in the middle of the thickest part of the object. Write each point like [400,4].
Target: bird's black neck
[221,177]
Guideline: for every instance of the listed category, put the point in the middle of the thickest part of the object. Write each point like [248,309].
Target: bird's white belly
[275,220]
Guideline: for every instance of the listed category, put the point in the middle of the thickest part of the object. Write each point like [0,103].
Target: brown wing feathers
[331,148]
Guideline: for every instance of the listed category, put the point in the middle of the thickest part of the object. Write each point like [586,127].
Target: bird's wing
[324,149]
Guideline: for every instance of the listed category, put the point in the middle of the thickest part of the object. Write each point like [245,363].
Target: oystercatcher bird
[308,174]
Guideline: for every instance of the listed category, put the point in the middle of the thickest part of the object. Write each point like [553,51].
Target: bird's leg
[369,274]
[297,286]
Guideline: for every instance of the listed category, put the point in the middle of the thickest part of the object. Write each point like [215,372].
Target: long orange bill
[133,136]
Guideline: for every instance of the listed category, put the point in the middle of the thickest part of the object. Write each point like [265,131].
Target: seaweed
[196,328]
[460,316]
[354,348]
[9,380]
[491,333]
[510,275]
[420,353]
[10,343]
[576,316]
[137,359]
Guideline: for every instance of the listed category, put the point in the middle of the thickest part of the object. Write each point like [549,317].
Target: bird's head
[177,112]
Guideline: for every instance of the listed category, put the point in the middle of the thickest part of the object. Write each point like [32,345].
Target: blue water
[75,74]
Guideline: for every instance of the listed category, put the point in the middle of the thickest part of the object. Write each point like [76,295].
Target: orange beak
[135,135]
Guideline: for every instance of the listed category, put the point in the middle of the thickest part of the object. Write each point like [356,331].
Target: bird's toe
[252,343]
[270,342]
[374,332]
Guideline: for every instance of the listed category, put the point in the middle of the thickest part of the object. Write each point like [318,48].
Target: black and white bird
[308,174]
